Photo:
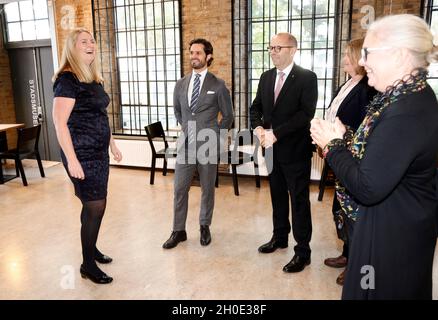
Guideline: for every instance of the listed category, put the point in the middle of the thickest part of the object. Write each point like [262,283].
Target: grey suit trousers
[183,178]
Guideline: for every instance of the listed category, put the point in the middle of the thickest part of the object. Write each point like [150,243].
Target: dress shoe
[340,279]
[205,235]
[104,259]
[103,278]
[297,264]
[175,238]
[273,245]
[339,262]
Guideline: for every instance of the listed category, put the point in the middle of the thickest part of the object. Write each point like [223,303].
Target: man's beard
[197,64]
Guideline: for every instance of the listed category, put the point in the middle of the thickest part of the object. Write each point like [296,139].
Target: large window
[318,27]
[147,59]
[311,22]
[27,20]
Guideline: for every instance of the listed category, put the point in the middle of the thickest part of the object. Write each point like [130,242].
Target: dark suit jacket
[354,106]
[291,115]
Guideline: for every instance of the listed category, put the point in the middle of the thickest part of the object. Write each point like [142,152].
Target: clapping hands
[322,131]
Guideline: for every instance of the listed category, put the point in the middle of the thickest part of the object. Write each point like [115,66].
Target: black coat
[394,183]
[290,116]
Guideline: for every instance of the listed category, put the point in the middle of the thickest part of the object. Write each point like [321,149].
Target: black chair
[236,157]
[3,148]
[156,131]
[3,142]
[27,147]
[327,178]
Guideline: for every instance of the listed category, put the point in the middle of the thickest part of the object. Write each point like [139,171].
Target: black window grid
[139,74]
[324,54]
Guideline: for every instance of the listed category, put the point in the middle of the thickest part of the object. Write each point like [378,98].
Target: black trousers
[290,182]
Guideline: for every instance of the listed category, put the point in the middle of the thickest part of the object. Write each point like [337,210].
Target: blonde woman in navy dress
[82,128]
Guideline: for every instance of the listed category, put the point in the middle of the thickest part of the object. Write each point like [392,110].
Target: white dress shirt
[286,72]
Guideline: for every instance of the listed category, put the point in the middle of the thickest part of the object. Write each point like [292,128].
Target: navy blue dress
[90,134]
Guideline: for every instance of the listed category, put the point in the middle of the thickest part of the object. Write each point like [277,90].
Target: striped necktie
[195,92]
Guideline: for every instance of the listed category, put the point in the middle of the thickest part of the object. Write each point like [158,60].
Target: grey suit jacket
[214,98]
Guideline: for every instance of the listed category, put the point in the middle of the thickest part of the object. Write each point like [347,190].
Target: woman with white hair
[387,167]
[82,128]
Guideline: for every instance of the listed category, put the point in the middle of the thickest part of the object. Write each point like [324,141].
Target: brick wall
[210,19]
[7,108]
[70,14]
[364,11]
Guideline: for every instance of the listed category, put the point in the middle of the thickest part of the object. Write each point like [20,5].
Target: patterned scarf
[356,143]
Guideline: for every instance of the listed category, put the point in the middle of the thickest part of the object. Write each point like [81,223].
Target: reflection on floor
[40,244]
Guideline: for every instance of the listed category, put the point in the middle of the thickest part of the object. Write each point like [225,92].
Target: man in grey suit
[198,99]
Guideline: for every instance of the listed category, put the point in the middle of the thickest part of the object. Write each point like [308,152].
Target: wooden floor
[40,250]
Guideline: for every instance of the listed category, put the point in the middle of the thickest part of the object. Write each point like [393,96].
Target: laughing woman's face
[86,47]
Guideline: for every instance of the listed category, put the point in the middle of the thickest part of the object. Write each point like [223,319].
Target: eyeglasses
[277,49]
[366,51]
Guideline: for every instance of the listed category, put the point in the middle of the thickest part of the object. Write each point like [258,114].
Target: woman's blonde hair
[70,61]
[352,51]
[407,31]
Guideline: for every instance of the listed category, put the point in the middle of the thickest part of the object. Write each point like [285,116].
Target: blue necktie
[195,92]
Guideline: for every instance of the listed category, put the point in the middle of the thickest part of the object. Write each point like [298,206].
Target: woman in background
[349,105]
[82,128]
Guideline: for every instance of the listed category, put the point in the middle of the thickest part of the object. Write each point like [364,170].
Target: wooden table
[3,142]
[4,127]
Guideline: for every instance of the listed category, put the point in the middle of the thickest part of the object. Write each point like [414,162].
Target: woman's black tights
[91,218]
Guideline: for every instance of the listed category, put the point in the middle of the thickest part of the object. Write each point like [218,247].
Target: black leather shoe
[273,245]
[205,235]
[175,238]
[103,259]
[101,279]
[297,264]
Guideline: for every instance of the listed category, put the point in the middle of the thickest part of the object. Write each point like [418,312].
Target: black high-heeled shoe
[102,279]
[103,259]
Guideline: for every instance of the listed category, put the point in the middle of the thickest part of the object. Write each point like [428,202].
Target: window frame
[337,34]
[22,43]
[137,110]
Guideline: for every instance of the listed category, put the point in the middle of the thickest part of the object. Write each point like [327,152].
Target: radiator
[317,164]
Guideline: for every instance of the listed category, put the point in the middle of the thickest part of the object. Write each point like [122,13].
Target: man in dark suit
[198,99]
[280,116]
